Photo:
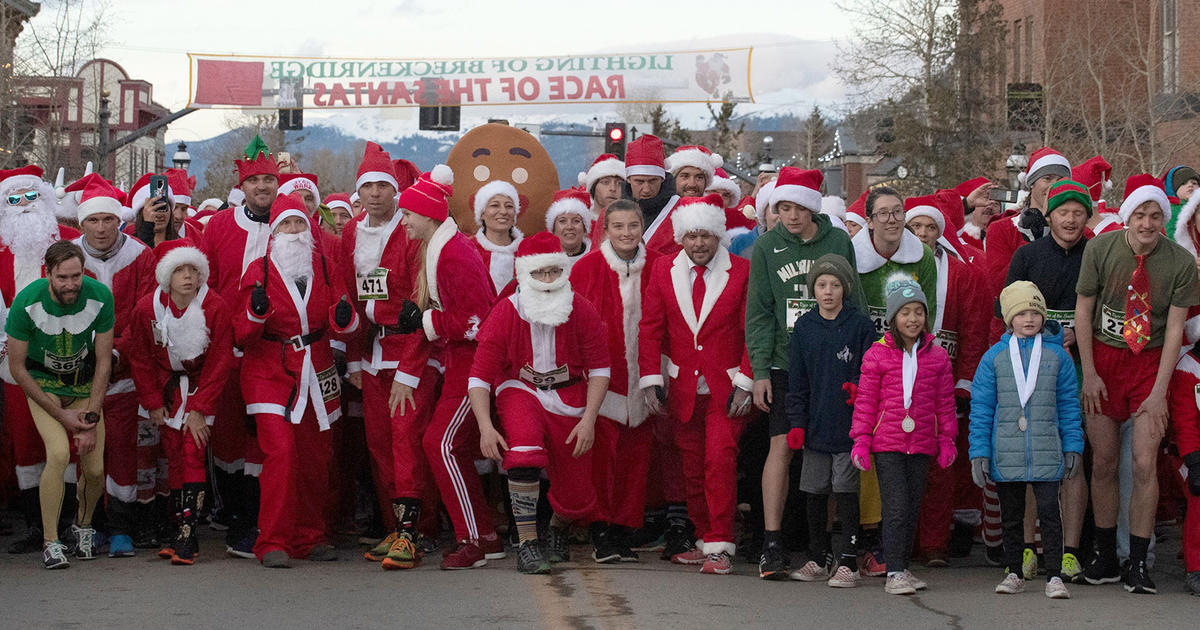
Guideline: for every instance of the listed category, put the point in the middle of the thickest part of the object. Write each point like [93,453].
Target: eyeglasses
[546,273]
[894,215]
[14,200]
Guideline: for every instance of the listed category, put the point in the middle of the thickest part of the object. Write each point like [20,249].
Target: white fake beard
[547,303]
[368,248]
[292,255]
[28,230]
[187,335]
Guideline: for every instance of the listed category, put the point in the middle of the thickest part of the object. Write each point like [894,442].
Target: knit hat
[181,185]
[175,253]
[857,211]
[697,156]
[430,196]
[376,166]
[1096,176]
[700,214]
[141,192]
[258,162]
[722,182]
[538,251]
[607,165]
[1068,190]
[291,182]
[98,196]
[407,173]
[570,201]
[495,187]
[644,156]
[287,206]
[1139,189]
[901,289]
[1044,161]
[836,266]
[1177,176]
[799,186]
[1019,296]
[339,200]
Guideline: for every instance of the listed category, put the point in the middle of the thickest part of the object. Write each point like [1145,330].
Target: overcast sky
[149,38]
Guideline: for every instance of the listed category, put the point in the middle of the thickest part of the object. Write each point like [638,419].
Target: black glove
[259,304]
[661,394]
[1193,464]
[251,425]
[343,313]
[410,318]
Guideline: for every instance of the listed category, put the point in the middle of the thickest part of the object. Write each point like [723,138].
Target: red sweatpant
[29,455]
[185,461]
[394,441]
[294,483]
[708,445]
[620,465]
[121,439]
[538,439]
[943,488]
[229,438]
[665,483]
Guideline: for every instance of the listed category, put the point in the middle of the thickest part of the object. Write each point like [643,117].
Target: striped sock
[524,496]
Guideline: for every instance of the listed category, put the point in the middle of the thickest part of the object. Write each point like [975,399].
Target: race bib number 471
[373,285]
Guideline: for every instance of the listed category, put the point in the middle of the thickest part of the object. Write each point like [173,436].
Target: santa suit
[190,229]
[130,444]
[1185,423]
[972,235]
[660,234]
[704,345]
[461,293]
[498,258]
[1109,221]
[383,356]
[1004,237]
[617,289]
[292,388]
[539,374]
[165,380]
[29,455]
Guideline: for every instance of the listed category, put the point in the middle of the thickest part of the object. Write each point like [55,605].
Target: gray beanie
[836,266]
[901,289]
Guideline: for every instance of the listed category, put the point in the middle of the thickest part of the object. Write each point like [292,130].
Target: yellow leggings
[870,509]
[58,455]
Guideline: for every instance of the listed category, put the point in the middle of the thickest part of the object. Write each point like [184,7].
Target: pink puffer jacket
[879,409]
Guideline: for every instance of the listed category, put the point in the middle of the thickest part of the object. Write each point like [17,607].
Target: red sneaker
[718,564]
[492,547]
[466,556]
[870,565]
[692,556]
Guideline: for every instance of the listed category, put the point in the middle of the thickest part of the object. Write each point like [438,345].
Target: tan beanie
[1021,295]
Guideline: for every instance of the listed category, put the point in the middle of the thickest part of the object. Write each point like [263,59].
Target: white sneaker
[810,572]
[898,584]
[1055,589]
[85,542]
[916,582]
[54,555]
[844,578]
[1013,584]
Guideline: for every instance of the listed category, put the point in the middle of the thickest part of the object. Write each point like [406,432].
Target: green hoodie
[913,258]
[779,289]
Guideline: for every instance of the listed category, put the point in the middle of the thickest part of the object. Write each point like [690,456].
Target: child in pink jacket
[904,414]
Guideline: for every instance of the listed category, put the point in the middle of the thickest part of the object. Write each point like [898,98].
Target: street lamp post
[768,164]
[102,117]
[181,159]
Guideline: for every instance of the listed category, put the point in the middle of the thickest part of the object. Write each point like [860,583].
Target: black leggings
[1012,517]
[818,535]
[901,486]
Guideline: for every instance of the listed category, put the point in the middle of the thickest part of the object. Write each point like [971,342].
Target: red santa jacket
[498,258]
[961,322]
[8,267]
[159,331]
[514,353]
[1185,403]
[378,298]
[617,289]
[129,274]
[712,345]
[1108,222]
[288,364]
[232,241]
[1003,240]
[972,235]
[460,293]
[660,234]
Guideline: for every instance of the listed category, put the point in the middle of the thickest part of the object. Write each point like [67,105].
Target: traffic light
[614,139]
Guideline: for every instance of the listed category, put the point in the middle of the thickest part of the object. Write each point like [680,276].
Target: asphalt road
[225,593]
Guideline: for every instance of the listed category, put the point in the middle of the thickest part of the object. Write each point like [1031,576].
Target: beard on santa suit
[368,247]
[28,230]
[186,336]
[293,254]
[544,302]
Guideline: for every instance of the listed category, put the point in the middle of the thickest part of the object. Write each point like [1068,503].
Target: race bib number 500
[373,286]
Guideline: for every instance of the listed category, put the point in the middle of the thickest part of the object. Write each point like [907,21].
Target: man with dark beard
[291,297]
[27,228]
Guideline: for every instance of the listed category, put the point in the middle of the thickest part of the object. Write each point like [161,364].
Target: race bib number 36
[373,286]
[1112,323]
[795,308]
[65,365]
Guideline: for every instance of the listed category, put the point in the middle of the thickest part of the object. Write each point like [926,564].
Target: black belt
[389,330]
[567,383]
[299,342]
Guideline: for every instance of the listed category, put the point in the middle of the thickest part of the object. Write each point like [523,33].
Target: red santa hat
[181,185]
[945,208]
[1139,189]
[339,200]
[644,156]
[430,196]
[287,206]
[1096,175]
[721,181]
[1044,161]
[924,206]
[965,189]
[171,255]
[762,202]
[607,165]
[697,156]
[28,176]
[407,173]
[98,196]
[291,182]
[700,214]
[141,192]
[570,201]
[376,166]
[495,187]
[538,251]
[857,212]
[262,164]
[799,186]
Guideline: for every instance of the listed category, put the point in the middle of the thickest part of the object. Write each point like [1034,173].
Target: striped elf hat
[1068,190]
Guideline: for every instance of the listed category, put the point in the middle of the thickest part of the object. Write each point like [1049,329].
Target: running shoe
[558,548]
[1137,578]
[466,556]
[773,565]
[121,546]
[323,552]
[1055,589]
[276,560]
[871,564]
[492,547]
[531,559]
[244,547]
[1102,571]
[381,548]
[54,555]
[916,582]
[1029,564]
[692,556]
[679,538]
[1013,584]
[403,554]
[898,584]
[844,578]
[85,542]
[994,555]
[717,564]
[811,572]
[1072,570]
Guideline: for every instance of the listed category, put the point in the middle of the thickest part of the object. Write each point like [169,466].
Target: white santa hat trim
[236,197]
[762,202]
[212,202]
[927,211]
[290,212]
[803,195]
[525,265]
[719,184]
[645,169]
[300,183]
[375,176]
[101,205]
[1141,195]
[491,189]
[338,203]
[707,162]
[176,258]
[354,197]
[699,217]
[600,170]
[31,182]
[568,206]
[834,206]
[1181,235]
[856,219]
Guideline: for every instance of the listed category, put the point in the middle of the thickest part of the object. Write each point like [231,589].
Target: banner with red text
[697,76]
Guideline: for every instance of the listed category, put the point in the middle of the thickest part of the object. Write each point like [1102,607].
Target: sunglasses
[16,199]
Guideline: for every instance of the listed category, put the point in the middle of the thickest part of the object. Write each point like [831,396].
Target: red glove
[795,439]
[946,457]
[851,393]
[860,456]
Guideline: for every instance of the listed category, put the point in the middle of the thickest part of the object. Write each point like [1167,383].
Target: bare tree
[817,136]
[221,175]
[727,138]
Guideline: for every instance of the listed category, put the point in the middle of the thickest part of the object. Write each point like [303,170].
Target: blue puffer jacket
[1054,424]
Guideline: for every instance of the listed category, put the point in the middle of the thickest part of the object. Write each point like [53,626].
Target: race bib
[1066,319]
[156,328]
[948,340]
[545,379]
[1112,323]
[879,317]
[330,384]
[797,307]
[64,365]
[373,286]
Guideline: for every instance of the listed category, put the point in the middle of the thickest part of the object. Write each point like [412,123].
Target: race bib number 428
[330,384]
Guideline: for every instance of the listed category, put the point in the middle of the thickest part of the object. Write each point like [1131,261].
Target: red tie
[698,290]
[1136,330]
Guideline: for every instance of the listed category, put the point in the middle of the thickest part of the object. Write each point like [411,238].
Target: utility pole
[102,133]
